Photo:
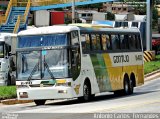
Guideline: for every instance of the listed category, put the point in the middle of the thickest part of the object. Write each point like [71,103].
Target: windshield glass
[1,50]
[28,65]
[44,64]
[42,40]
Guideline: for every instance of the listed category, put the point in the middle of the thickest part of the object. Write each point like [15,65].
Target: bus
[7,60]
[65,62]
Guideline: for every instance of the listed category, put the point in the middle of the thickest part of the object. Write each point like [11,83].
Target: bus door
[75,56]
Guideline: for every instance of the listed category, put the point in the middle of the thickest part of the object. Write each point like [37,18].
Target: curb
[153,75]
[148,77]
[15,101]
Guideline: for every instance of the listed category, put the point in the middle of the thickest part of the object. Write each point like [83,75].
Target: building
[121,7]
[4,2]
[117,8]
[85,15]
[81,15]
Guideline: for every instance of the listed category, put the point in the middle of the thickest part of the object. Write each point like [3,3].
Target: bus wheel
[131,87]
[39,102]
[8,80]
[126,89]
[86,91]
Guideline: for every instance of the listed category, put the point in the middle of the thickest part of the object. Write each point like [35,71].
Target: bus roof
[84,28]
[3,35]
[100,28]
[48,30]
[110,30]
[91,25]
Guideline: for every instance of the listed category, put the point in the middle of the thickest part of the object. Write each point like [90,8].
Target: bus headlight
[64,84]
[23,94]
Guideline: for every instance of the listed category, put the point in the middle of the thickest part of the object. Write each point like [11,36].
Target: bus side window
[115,42]
[138,41]
[132,42]
[124,42]
[76,62]
[96,44]
[85,41]
[75,55]
[106,42]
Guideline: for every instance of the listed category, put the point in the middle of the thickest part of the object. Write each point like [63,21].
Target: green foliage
[110,16]
[7,92]
[152,66]
[3,7]
[155,17]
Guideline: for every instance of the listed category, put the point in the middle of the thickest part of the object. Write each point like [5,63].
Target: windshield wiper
[33,71]
[51,74]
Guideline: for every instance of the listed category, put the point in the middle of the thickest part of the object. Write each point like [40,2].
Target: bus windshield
[42,40]
[40,64]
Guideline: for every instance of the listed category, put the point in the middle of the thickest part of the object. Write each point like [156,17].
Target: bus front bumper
[39,93]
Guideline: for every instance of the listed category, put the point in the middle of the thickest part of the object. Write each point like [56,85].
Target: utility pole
[149,25]
[73,11]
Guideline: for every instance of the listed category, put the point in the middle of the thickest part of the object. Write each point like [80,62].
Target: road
[146,99]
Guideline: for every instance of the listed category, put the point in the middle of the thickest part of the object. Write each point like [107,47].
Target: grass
[152,66]
[7,92]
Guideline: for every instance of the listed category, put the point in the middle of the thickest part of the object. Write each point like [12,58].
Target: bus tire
[13,80]
[8,80]
[131,87]
[87,91]
[39,102]
[132,83]
[126,90]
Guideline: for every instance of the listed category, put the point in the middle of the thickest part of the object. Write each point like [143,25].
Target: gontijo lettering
[120,58]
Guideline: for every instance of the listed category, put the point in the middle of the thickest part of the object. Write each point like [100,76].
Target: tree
[110,16]
[154,17]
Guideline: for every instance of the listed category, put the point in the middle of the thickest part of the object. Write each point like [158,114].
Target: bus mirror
[9,48]
[10,54]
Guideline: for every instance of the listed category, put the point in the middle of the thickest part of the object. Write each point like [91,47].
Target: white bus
[7,62]
[62,62]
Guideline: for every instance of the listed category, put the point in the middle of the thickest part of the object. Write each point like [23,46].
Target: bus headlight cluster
[64,84]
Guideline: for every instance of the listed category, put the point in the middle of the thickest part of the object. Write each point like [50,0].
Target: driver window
[76,62]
